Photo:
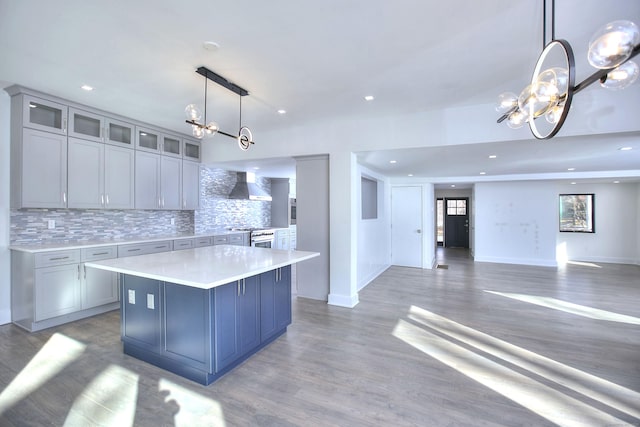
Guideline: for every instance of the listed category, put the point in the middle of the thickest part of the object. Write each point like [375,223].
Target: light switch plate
[150,302]
[132,296]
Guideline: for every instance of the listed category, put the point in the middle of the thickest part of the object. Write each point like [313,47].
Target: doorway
[406,226]
[453,222]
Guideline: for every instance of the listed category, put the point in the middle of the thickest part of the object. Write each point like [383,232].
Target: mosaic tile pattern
[30,226]
[217,211]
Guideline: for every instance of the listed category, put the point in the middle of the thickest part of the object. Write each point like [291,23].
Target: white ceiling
[314,59]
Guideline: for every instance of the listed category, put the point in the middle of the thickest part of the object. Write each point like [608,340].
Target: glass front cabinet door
[191,150]
[171,146]
[119,133]
[85,125]
[147,140]
[44,115]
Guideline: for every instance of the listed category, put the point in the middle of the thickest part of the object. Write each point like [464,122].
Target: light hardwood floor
[423,347]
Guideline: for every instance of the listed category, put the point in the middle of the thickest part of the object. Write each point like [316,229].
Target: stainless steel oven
[262,238]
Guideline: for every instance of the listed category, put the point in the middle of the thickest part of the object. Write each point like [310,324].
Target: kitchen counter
[204,268]
[201,312]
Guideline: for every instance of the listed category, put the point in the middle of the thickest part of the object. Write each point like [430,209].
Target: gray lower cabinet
[52,288]
[202,333]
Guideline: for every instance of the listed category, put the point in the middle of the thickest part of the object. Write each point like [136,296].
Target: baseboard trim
[348,301]
[519,261]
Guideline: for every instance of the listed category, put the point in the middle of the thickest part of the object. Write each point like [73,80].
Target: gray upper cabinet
[86,174]
[172,146]
[100,176]
[40,175]
[119,177]
[44,115]
[147,181]
[147,140]
[86,125]
[190,185]
[119,133]
[170,183]
[191,150]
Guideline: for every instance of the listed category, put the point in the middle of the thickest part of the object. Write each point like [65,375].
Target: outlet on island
[51,224]
[173,221]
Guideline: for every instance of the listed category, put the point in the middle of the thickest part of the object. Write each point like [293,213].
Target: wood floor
[423,347]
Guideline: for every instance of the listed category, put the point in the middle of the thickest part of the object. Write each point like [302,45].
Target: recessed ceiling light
[86,87]
[410,174]
[493,156]
[453,185]
[616,182]
[393,161]
[573,183]
[369,98]
[282,111]
[625,148]
[211,46]
[255,168]
[483,173]
[571,169]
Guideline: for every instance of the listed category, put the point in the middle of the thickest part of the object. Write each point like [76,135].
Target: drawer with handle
[134,249]
[203,241]
[220,240]
[96,254]
[48,259]
[183,244]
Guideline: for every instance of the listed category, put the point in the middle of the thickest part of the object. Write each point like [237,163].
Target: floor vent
[443,266]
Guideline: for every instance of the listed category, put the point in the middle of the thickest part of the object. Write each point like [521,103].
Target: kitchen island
[201,312]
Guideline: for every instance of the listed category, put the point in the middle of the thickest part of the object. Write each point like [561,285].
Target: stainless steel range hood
[247,189]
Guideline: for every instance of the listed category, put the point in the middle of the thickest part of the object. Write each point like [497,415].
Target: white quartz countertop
[205,267]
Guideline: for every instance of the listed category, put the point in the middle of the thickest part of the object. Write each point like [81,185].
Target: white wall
[638,225]
[616,223]
[516,222]
[374,235]
[5,275]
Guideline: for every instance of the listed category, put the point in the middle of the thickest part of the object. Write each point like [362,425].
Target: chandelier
[209,129]
[544,103]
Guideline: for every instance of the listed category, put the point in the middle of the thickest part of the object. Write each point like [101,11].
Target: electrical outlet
[51,224]
[173,221]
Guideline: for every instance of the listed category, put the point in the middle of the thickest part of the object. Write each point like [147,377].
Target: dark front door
[456,223]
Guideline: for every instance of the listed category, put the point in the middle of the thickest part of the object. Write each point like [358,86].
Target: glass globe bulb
[211,129]
[192,112]
[556,76]
[612,44]
[197,131]
[537,98]
[517,119]
[622,77]
[553,115]
[506,102]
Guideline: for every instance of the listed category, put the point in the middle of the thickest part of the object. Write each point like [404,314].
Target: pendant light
[552,87]
[193,113]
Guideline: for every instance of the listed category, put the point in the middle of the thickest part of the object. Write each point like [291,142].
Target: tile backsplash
[30,226]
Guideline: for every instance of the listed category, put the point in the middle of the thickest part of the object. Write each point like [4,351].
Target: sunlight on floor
[533,395]
[568,307]
[194,409]
[109,400]
[583,264]
[52,358]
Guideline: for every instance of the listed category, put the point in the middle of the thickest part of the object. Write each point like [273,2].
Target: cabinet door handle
[84,268]
[64,197]
[58,258]
[238,287]
[78,271]
[64,125]
[133,250]
[102,200]
[106,132]
[107,197]
[161,247]
[244,286]
[100,253]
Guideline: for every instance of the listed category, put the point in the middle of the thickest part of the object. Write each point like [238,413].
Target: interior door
[456,223]
[406,226]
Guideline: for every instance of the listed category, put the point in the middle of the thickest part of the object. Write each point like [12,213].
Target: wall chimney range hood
[247,189]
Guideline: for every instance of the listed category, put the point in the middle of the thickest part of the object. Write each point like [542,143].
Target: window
[369,197]
[577,213]
[456,207]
